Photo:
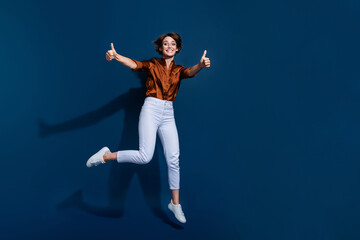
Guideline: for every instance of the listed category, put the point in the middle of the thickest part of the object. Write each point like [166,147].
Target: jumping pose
[157,112]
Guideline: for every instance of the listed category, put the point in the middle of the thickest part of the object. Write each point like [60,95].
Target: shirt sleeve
[184,73]
[142,65]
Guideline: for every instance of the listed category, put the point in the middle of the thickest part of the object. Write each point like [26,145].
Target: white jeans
[156,116]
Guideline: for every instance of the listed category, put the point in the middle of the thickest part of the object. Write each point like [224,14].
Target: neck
[168,59]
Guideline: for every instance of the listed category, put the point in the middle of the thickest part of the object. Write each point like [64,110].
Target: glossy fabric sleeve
[184,73]
[142,65]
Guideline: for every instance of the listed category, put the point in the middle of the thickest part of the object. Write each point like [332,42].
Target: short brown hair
[158,42]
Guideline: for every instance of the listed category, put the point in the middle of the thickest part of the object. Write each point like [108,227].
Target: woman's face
[169,47]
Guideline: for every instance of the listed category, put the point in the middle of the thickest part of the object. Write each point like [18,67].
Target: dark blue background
[269,134]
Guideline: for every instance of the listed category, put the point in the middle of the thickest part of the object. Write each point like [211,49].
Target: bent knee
[145,158]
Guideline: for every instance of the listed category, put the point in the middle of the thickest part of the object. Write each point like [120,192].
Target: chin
[168,56]
[165,54]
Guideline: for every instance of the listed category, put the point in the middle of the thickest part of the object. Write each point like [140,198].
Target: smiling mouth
[169,51]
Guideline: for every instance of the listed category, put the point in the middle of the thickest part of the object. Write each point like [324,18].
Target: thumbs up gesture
[204,61]
[110,55]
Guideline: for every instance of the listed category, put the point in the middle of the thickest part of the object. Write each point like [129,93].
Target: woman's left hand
[204,61]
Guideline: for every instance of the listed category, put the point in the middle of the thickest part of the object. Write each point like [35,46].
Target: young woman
[157,113]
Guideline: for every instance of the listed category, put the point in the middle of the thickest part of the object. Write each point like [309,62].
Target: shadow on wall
[120,174]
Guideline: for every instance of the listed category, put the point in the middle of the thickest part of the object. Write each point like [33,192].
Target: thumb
[204,54]
[112,47]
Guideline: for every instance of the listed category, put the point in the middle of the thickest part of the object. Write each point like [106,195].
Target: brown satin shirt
[161,82]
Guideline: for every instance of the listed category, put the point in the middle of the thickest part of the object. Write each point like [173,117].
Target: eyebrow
[168,41]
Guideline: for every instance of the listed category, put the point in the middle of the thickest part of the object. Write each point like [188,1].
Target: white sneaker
[97,158]
[177,210]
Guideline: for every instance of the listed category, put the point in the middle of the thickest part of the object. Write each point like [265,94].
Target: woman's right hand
[110,55]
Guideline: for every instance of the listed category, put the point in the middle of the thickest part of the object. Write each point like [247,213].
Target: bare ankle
[106,157]
[110,156]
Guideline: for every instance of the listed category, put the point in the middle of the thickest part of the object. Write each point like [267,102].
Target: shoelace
[181,211]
